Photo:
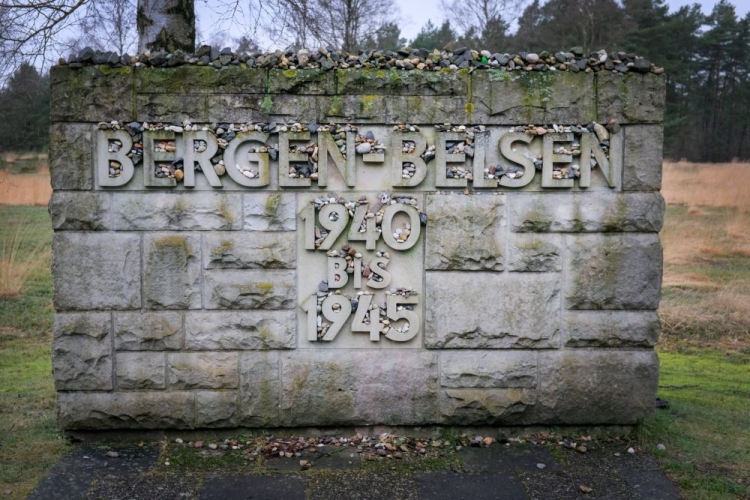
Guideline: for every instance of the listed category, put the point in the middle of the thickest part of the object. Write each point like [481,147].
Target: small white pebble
[631,450]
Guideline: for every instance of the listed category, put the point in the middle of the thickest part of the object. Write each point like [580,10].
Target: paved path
[500,472]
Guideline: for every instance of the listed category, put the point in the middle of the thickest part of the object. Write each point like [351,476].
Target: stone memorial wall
[272,248]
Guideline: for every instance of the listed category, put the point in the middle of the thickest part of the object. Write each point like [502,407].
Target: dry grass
[20,256]
[706,242]
[24,179]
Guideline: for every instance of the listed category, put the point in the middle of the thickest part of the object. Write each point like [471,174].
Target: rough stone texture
[140,370]
[162,107]
[611,328]
[96,271]
[125,410]
[484,370]
[79,211]
[613,271]
[202,370]
[91,94]
[301,81]
[535,253]
[176,211]
[257,330]
[486,406]
[465,232]
[328,388]
[216,409]
[70,162]
[200,80]
[251,289]
[152,331]
[260,389]
[586,212]
[250,250]
[272,211]
[492,311]
[643,157]
[395,82]
[630,98]
[82,352]
[171,271]
[596,386]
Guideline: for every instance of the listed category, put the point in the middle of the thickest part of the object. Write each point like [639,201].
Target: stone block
[86,211]
[235,108]
[169,107]
[172,271]
[216,409]
[202,370]
[260,394]
[150,331]
[642,162]
[611,328]
[82,352]
[431,110]
[257,330]
[586,212]
[273,211]
[486,406]
[580,387]
[310,81]
[125,410]
[354,108]
[96,271]
[488,370]
[71,164]
[465,232]
[91,94]
[613,271]
[250,250]
[358,388]
[284,107]
[164,211]
[140,370]
[630,97]
[492,311]
[500,97]
[398,82]
[249,289]
[190,79]
[535,253]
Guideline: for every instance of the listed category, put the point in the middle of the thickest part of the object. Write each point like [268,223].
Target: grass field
[704,351]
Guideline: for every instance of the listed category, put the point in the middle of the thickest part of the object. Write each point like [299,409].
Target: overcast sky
[412,15]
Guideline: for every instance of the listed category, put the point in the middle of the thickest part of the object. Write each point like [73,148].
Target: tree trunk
[166,24]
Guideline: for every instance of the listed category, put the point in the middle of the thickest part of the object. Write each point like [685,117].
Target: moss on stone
[272,204]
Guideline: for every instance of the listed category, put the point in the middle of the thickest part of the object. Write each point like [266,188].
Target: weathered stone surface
[258,330]
[79,211]
[140,370]
[202,370]
[436,109]
[200,80]
[484,370]
[613,271]
[509,98]
[301,81]
[486,406]
[397,82]
[354,108]
[127,410]
[642,162]
[172,271]
[166,107]
[273,211]
[611,328]
[492,311]
[176,211]
[596,386]
[250,250]
[216,409]
[261,389]
[304,108]
[327,388]
[535,253]
[91,94]
[586,212]
[96,271]
[82,352]
[151,331]
[630,98]
[236,107]
[70,163]
[249,289]
[465,232]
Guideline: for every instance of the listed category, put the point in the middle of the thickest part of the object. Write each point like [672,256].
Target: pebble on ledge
[406,59]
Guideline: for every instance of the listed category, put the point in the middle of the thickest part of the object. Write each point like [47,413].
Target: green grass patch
[707,428]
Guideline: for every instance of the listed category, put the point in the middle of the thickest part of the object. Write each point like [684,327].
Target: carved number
[358,323]
[337,318]
[334,227]
[410,316]
[370,236]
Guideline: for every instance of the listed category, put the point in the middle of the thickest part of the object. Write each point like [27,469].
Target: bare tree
[166,24]
[481,19]
[109,27]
